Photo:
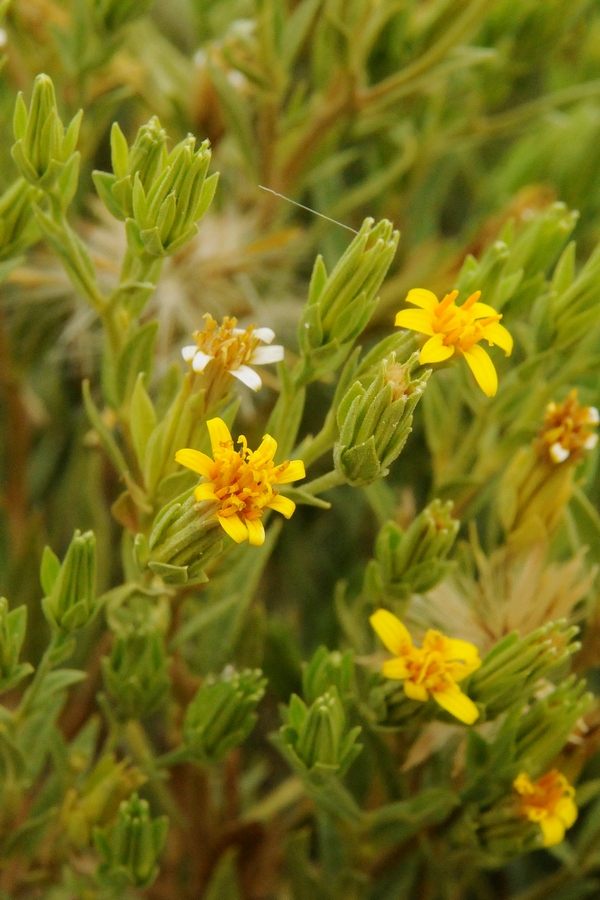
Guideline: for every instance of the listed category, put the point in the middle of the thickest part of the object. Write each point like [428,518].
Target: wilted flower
[434,669]
[456,331]
[549,801]
[566,432]
[241,481]
[233,348]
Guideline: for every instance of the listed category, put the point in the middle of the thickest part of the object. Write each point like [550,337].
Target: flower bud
[340,305]
[12,634]
[43,145]
[146,158]
[136,674]
[326,670]
[185,536]
[130,848]
[165,213]
[17,228]
[513,669]
[97,801]
[222,714]
[412,561]
[70,601]
[315,737]
[375,422]
[113,14]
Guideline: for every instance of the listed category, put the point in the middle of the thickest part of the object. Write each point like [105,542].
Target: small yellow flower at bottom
[549,801]
[456,331]
[431,670]
[242,482]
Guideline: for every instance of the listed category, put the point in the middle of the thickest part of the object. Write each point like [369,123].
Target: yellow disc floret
[456,331]
[549,801]
[567,430]
[431,670]
[242,482]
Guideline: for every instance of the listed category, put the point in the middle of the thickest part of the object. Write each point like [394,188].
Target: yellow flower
[234,348]
[549,801]
[567,430]
[241,481]
[433,669]
[456,331]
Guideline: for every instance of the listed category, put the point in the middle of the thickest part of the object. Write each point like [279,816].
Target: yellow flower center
[243,479]
[226,343]
[457,323]
[429,665]
[567,430]
[541,798]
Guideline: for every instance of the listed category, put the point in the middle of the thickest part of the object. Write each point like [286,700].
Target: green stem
[47,663]
[324,483]
[322,442]
[143,754]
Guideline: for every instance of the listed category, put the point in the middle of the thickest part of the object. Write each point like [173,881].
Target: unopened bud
[340,304]
[17,224]
[130,848]
[43,145]
[136,674]
[222,714]
[327,670]
[316,737]
[70,601]
[375,422]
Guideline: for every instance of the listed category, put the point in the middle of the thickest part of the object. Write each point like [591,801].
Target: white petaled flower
[236,349]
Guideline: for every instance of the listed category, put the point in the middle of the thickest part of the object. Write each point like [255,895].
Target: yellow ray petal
[283,505]
[464,655]
[483,369]
[204,492]
[566,810]
[496,333]
[395,668]
[196,461]
[415,319]
[234,527]
[553,830]
[423,298]
[416,691]
[457,704]
[256,532]
[390,630]
[434,350]
[268,448]
[219,433]
[482,311]
[293,472]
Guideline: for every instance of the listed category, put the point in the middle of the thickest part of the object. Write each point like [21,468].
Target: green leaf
[49,570]
[142,418]
[137,357]
[106,439]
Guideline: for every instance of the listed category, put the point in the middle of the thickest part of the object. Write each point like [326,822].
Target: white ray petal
[248,376]
[189,352]
[201,360]
[558,452]
[591,442]
[264,355]
[593,417]
[266,335]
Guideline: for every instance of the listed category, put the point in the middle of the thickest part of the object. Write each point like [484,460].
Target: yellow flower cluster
[241,482]
[431,670]
[567,430]
[456,331]
[549,801]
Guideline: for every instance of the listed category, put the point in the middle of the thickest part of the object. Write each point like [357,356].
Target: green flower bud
[340,305]
[113,14]
[97,801]
[146,158]
[165,214]
[512,670]
[130,848]
[17,224]
[374,423]
[326,670]
[70,601]
[136,674]
[412,561]
[12,762]
[315,737]
[222,714]
[185,536]
[12,634]
[44,147]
